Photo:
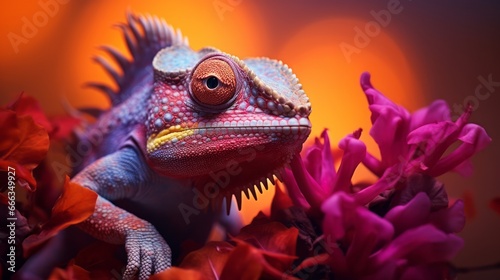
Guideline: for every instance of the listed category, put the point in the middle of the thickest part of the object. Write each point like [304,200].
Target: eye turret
[213,82]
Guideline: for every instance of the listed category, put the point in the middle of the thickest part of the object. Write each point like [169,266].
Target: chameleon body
[187,131]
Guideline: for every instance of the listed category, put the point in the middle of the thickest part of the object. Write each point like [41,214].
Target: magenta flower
[401,226]
[418,141]
[410,242]
[408,143]
[313,178]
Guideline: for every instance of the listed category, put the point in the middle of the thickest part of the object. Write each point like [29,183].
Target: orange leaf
[177,273]
[313,261]
[208,260]
[23,146]
[205,263]
[247,262]
[280,200]
[275,242]
[270,236]
[74,206]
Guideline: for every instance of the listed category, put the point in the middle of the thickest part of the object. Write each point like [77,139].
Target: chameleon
[187,131]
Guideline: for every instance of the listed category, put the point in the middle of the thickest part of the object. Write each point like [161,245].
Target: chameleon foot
[147,253]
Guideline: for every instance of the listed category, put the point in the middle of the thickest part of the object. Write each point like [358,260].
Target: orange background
[426,51]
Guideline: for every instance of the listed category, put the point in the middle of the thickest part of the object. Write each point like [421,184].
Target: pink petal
[312,160]
[328,173]
[294,191]
[413,214]
[381,272]
[319,163]
[390,178]
[436,138]
[370,233]
[428,272]
[374,96]
[338,262]
[354,152]
[389,130]
[425,244]
[311,190]
[390,123]
[373,164]
[431,141]
[340,213]
[345,219]
[450,220]
[464,169]
[436,112]
[418,182]
[474,139]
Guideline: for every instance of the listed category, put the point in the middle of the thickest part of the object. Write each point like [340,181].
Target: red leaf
[469,206]
[63,126]
[74,206]
[4,199]
[495,204]
[244,263]
[263,248]
[24,145]
[58,127]
[71,272]
[99,259]
[29,106]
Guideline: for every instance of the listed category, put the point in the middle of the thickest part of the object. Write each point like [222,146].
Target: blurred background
[416,52]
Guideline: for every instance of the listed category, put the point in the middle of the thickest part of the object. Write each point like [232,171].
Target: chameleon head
[223,120]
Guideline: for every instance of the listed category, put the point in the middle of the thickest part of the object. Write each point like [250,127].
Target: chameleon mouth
[171,134]
[293,128]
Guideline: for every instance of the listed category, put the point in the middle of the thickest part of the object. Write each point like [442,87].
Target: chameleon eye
[213,82]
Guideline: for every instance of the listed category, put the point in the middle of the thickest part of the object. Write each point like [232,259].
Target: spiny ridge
[144,36]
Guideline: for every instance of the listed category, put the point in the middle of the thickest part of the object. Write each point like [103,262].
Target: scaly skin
[186,129]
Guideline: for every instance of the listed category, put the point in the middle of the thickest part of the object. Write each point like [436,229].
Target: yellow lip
[173,133]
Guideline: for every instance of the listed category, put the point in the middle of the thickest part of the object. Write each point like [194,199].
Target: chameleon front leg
[117,176]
